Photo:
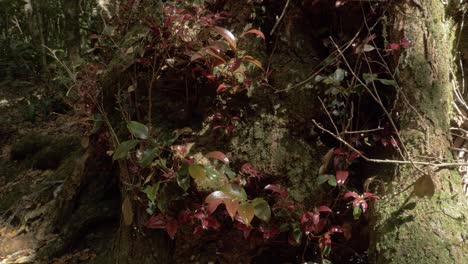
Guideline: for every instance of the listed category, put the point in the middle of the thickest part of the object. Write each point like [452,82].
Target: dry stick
[432,164]
[280,18]
[363,131]
[329,116]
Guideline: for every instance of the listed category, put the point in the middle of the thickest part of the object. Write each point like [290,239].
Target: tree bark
[71,9]
[422,217]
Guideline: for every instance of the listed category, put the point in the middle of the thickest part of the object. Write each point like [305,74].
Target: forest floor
[32,173]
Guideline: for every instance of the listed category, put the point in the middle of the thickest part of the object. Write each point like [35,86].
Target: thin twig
[363,131]
[280,18]
[387,161]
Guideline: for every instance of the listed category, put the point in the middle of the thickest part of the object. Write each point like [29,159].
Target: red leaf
[350,194]
[354,155]
[214,200]
[370,195]
[277,188]
[227,35]
[171,228]
[405,43]
[306,217]
[339,151]
[394,46]
[256,32]
[219,156]
[324,209]
[341,177]
[221,88]
[184,216]
[157,222]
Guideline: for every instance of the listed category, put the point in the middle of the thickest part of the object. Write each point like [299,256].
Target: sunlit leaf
[213,174]
[351,194]
[214,200]
[341,177]
[197,172]
[262,209]
[124,148]
[138,130]
[256,32]
[219,156]
[324,209]
[254,61]
[232,205]
[227,35]
[235,191]
[246,212]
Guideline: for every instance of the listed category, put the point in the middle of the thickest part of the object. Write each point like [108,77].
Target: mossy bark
[408,228]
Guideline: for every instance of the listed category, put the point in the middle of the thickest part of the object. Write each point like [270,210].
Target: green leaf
[324,178]
[123,149]
[338,75]
[246,212]
[212,174]
[262,209]
[138,130]
[235,192]
[151,191]
[148,157]
[388,82]
[368,77]
[197,172]
[231,174]
[183,181]
[357,212]
[297,234]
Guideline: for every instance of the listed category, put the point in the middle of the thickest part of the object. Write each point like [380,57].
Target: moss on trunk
[407,228]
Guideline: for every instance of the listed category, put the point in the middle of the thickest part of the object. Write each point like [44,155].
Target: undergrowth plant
[188,192]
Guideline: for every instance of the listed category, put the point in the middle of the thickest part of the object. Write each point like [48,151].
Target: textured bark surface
[408,228]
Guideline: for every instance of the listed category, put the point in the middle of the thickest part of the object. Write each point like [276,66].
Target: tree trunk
[422,217]
[71,9]
[36,28]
